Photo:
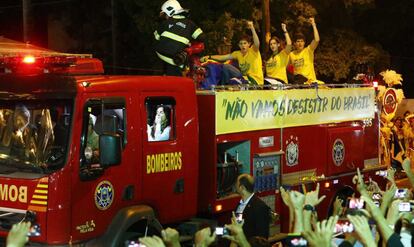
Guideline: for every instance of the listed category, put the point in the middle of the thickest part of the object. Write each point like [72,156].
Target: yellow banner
[238,111]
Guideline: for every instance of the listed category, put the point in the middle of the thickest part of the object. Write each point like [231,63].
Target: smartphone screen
[221,231]
[404,207]
[376,196]
[239,218]
[299,241]
[295,240]
[34,231]
[356,203]
[400,193]
[343,226]
[381,173]
[130,243]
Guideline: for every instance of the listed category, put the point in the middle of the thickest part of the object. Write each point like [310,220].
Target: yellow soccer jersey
[276,66]
[250,64]
[303,63]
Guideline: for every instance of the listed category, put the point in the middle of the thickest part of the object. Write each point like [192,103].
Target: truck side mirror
[110,149]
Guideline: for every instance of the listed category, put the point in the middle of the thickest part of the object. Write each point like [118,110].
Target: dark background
[120,32]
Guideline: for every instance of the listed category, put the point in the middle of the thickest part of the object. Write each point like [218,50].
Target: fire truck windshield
[34,135]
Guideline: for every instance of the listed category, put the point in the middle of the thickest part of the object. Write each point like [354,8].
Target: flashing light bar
[29,59]
[58,64]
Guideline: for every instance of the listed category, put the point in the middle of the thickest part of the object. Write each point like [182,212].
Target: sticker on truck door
[338,152]
[104,195]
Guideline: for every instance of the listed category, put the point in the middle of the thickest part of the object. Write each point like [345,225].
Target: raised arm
[219,58]
[256,41]
[406,164]
[288,47]
[316,38]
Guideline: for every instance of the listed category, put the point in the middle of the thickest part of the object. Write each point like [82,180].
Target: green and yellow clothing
[303,63]
[250,65]
[276,66]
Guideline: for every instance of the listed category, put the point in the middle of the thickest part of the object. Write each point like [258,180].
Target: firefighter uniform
[173,35]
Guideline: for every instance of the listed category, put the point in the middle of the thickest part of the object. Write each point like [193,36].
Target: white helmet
[172,7]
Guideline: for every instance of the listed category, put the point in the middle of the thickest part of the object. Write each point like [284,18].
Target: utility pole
[27,20]
[266,24]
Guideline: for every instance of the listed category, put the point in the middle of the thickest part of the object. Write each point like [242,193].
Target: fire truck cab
[87,157]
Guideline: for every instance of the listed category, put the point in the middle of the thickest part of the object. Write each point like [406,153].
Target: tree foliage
[223,23]
[342,51]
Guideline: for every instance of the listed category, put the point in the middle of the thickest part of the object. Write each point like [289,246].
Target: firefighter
[173,35]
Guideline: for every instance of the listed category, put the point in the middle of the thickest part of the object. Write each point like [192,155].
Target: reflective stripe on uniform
[168,60]
[196,33]
[156,35]
[175,37]
[165,59]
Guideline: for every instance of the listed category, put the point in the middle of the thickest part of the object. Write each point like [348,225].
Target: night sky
[388,24]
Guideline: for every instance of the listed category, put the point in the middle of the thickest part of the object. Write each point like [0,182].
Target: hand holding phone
[400,193]
[239,218]
[356,203]
[404,207]
[130,243]
[343,226]
[221,231]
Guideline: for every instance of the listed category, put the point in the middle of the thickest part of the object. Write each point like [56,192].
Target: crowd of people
[384,219]
[397,140]
[177,31]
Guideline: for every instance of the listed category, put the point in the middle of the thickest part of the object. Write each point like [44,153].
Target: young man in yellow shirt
[248,57]
[302,57]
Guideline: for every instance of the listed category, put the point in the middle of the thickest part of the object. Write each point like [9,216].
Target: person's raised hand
[322,235]
[236,234]
[393,212]
[312,21]
[362,229]
[312,197]
[390,175]
[361,185]
[406,165]
[284,29]
[17,236]
[297,199]
[250,24]
[204,59]
[337,206]
[204,238]
[285,197]
[389,194]
[370,208]
[171,237]
[153,241]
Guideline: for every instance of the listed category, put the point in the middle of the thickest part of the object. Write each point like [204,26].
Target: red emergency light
[58,64]
[29,59]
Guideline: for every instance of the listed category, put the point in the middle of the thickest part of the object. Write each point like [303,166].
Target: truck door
[163,173]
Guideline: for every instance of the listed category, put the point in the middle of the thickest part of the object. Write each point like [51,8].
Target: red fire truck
[96,159]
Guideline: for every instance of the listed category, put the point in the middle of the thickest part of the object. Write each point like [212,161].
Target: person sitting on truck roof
[302,57]
[248,58]
[160,129]
[278,59]
[256,214]
[173,35]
